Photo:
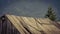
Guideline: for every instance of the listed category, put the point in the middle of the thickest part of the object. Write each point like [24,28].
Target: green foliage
[50,14]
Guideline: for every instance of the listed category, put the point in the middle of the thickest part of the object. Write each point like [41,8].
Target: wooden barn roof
[30,25]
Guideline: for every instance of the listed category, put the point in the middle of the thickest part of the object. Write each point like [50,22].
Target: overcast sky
[33,8]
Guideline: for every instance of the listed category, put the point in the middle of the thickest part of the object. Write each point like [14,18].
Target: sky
[32,8]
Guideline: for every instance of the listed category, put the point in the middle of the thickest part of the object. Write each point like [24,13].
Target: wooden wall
[6,27]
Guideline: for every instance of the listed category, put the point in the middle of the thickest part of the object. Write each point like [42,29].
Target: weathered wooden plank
[18,18]
[29,23]
[14,22]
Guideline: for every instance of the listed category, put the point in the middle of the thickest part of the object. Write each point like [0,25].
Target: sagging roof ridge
[24,16]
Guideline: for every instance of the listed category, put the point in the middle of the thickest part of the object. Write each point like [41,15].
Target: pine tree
[51,14]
